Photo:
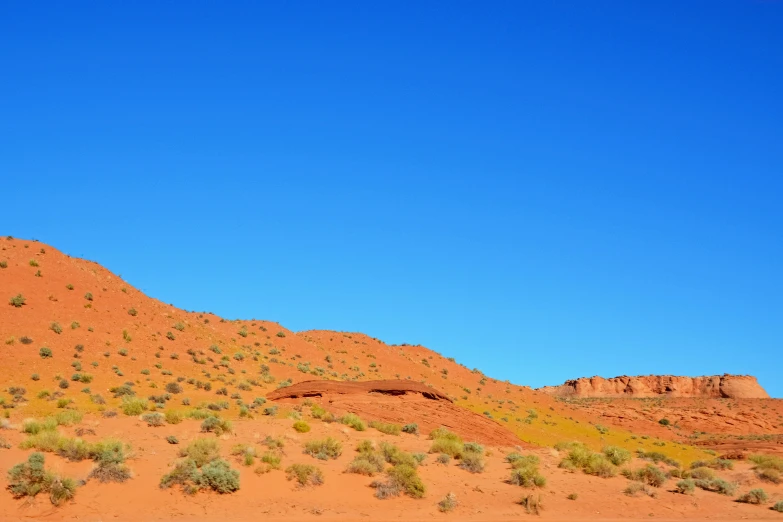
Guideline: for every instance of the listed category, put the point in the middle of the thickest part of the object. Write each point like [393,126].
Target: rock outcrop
[400,402]
[716,386]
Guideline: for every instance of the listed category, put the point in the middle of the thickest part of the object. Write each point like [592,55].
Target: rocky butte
[715,386]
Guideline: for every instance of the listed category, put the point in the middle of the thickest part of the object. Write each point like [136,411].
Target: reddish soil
[116,334]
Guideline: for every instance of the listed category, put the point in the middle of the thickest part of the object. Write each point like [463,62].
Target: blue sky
[543,191]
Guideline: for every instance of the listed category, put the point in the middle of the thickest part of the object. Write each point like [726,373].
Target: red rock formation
[400,402]
[716,386]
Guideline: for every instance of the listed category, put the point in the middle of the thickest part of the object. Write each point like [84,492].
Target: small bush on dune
[412,428]
[650,475]
[395,456]
[580,457]
[717,485]
[201,451]
[634,488]
[657,457]
[174,416]
[473,462]
[686,487]
[215,474]
[770,475]
[407,480]
[617,456]
[133,405]
[366,464]
[31,478]
[386,427]
[778,506]
[754,496]
[532,504]
[301,427]
[353,421]
[448,503]
[325,449]
[305,474]
[153,419]
[700,474]
[216,425]
[443,458]
[720,464]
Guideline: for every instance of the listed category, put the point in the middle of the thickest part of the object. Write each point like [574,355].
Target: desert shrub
[617,456]
[532,504]
[473,462]
[701,474]
[301,427]
[754,496]
[216,425]
[173,387]
[153,419]
[270,410]
[367,463]
[444,441]
[133,405]
[219,476]
[386,427]
[650,475]
[31,478]
[273,443]
[353,420]
[580,457]
[305,474]
[56,327]
[572,496]
[778,506]
[767,462]
[407,480]
[686,486]
[174,416]
[443,458]
[720,464]
[45,353]
[171,439]
[717,485]
[448,503]
[17,301]
[634,488]
[657,457]
[201,451]
[769,475]
[325,449]
[664,422]
[411,428]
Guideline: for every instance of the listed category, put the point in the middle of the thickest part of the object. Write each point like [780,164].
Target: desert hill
[88,358]
[713,387]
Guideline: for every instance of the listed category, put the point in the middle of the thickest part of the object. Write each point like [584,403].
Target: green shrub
[580,457]
[353,421]
[219,476]
[17,301]
[721,464]
[171,439]
[395,456]
[411,428]
[650,475]
[367,463]
[153,419]
[701,474]
[778,506]
[45,353]
[634,488]
[407,480]
[386,427]
[216,425]
[305,474]
[56,328]
[754,496]
[325,449]
[301,427]
[201,451]
[443,458]
[717,485]
[769,475]
[31,478]
[686,486]
[473,462]
[617,456]
[657,457]
[133,405]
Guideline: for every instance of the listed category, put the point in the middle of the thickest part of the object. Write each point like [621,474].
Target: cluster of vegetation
[202,468]
[524,470]
[30,478]
[305,474]
[325,449]
[353,420]
[108,455]
[401,477]
[449,444]
[768,468]
[386,427]
[581,457]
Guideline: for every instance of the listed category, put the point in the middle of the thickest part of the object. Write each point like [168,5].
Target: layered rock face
[716,386]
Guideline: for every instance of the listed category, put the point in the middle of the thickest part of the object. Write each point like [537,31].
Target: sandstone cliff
[716,386]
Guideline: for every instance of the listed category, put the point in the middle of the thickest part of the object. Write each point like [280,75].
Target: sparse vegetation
[305,474]
[754,496]
[325,449]
[386,427]
[30,478]
[448,503]
[301,426]
[353,421]
[45,352]
[649,475]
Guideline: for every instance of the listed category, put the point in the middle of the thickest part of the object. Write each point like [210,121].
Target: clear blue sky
[541,190]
